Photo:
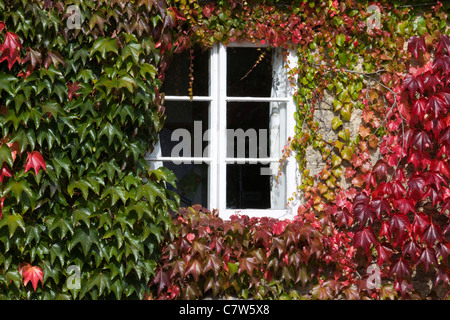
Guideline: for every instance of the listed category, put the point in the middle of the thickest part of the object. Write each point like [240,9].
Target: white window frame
[217,159]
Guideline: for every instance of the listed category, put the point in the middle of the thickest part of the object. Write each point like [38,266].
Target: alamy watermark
[237,142]
[74,19]
[74,280]
[374,279]
[374,20]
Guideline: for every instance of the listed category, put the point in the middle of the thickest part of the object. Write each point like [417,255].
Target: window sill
[280,214]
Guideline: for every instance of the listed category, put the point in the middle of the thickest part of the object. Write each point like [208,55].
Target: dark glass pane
[176,82]
[248,187]
[249,75]
[192,182]
[186,124]
[248,129]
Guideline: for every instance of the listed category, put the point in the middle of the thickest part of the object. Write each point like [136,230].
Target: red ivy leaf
[174,291]
[33,274]
[435,125]
[444,137]
[444,43]
[247,264]
[411,249]
[55,58]
[385,189]
[397,189]
[73,88]
[415,45]
[384,253]
[2,200]
[403,287]
[434,195]
[405,205]
[34,56]
[421,140]
[381,169]
[416,186]
[5,172]
[420,223]
[10,49]
[443,250]
[442,275]
[431,81]
[212,263]
[428,257]
[35,161]
[413,84]
[445,96]
[264,234]
[364,238]
[385,230]
[437,104]
[343,217]
[442,62]
[362,209]
[400,268]
[194,268]
[400,226]
[420,108]
[162,278]
[432,234]
[379,206]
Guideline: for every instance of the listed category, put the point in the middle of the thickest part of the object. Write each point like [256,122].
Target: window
[224,144]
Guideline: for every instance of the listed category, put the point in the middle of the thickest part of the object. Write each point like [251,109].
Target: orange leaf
[364,131]
[33,274]
[367,116]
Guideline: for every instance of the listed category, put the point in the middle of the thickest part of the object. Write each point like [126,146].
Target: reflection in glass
[186,123]
[247,188]
[248,130]
[176,82]
[192,183]
[249,72]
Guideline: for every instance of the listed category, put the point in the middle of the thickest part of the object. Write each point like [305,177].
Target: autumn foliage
[398,220]
[80,108]
[402,211]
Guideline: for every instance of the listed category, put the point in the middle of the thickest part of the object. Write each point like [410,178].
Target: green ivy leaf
[6,83]
[336,123]
[335,160]
[13,221]
[347,153]
[103,46]
[6,155]
[340,39]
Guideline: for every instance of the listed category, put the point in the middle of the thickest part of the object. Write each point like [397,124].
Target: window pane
[249,74]
[248,134]
[184,130]
[254,186]
[176,82]
[192,182]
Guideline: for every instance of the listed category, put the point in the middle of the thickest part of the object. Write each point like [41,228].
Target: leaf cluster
[80,109]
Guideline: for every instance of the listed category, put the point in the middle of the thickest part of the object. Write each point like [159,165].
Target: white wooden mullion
[222,125]
[270,213]
[291,166]
[188,98]
[256,160]
[257,99]
[181,159]
[214,146]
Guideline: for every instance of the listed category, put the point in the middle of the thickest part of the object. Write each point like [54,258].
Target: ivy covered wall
[80,107]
